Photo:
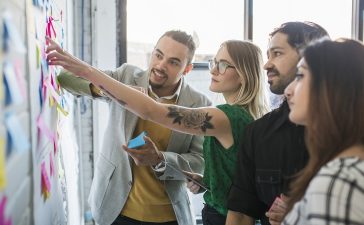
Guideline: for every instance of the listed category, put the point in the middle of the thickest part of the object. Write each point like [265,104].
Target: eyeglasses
[220,65]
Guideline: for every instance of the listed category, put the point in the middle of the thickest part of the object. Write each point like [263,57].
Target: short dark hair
[300,34]
[183,38]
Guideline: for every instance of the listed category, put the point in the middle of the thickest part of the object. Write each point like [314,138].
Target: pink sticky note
[45,177]
[44,128]
[55,145]
[20,78]
[2,208]
[51,164]
[3,220]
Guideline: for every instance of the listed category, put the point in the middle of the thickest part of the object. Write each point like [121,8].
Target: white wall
[104,57]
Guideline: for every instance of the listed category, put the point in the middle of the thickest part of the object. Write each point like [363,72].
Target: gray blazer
[113,179]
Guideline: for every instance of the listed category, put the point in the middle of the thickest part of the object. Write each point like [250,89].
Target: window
[333,15]
[211,21]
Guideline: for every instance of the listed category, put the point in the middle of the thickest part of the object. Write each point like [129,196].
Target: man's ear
[188,68]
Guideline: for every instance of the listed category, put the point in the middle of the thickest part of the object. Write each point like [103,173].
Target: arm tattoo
[195,119]
[112,96]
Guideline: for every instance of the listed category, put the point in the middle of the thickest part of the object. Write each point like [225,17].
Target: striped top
[335,196]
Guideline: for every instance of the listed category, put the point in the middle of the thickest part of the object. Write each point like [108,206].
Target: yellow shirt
[148,200]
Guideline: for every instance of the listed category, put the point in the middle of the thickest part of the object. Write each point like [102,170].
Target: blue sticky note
[18,137]
[137,141]
[12,37]
[12,85]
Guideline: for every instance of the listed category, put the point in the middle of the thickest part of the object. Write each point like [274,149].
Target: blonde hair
[248,61]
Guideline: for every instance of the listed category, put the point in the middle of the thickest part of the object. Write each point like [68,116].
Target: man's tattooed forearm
[196,119]
[121,102]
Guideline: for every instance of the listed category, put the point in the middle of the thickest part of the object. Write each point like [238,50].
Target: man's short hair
[300,34]
[183,38]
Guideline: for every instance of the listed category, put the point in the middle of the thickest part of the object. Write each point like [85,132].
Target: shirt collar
[169,97]
[282,113]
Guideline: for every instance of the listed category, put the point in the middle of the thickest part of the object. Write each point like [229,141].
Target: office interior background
[49,140]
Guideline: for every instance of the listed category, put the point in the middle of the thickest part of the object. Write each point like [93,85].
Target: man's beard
[155,86]
[279,84]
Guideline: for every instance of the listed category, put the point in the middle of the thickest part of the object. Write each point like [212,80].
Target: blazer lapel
[140,80]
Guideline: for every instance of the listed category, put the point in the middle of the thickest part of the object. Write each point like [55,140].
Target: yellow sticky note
[61,110]
[2,164]
[51,101]
[37,56]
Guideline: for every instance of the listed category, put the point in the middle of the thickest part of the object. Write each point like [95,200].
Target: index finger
[284,197]
[134,151]
[53,46]
[149,142]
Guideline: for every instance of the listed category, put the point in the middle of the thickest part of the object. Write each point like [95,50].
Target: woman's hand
[278,210]
[192,186]
[58,57]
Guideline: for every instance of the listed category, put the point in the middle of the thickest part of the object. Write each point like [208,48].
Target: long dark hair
[336,105]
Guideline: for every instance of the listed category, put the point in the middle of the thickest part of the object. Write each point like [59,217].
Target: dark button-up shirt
[272,151]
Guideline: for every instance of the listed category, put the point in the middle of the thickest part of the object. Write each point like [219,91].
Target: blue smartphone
[138,141]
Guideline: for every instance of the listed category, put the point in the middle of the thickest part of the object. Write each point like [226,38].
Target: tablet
[188,177]
[199,183]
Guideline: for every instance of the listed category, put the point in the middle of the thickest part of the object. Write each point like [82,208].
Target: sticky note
[46,184]
[18,137]
[137,141]
[14,87]
[51,164]
[2,164]
[1,86]
[12,36]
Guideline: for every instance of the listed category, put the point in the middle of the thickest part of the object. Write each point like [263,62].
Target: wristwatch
[160,167]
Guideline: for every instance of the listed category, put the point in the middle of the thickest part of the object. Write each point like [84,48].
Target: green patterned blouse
[220,163]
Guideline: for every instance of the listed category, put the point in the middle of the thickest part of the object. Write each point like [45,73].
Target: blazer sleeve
[79,86]
[73,84]
[190,159]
